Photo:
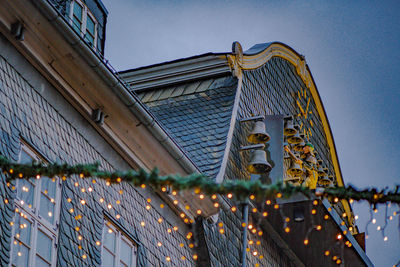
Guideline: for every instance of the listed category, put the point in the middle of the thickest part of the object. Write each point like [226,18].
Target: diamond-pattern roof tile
[197,115]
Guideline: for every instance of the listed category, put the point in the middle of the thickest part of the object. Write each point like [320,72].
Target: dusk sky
[351,47]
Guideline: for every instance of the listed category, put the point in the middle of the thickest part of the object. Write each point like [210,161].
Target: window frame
[32,214]
[121,234]
[85,13]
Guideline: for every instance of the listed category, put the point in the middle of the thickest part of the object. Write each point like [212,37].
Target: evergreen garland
[240,188]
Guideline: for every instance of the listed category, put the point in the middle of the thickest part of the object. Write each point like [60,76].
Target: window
[36,219]
[83,22]
[118,249]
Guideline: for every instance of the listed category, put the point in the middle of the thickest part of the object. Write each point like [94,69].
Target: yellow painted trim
[249,62]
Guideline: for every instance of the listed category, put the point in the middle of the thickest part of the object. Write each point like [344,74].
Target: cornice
[161,75]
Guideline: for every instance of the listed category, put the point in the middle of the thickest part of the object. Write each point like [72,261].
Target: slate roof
[197,115]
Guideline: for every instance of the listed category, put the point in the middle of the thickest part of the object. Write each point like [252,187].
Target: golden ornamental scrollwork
[236,59]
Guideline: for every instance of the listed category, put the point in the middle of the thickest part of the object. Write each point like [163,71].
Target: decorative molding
[165,74]
[236,59]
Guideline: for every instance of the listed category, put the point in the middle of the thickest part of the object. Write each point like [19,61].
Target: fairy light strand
[240,188]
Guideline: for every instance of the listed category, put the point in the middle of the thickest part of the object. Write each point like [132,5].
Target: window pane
[43,246]
[78,10]
[49,187]
[109,239]
[23,230]
[20,255]
[26,191]
[90,25]
[108,259]
[40,262]
[46,208]
[77,17]
[25,157]
[76,24]
[126,252]
[89,39]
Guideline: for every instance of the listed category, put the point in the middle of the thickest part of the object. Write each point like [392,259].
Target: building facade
[61,102]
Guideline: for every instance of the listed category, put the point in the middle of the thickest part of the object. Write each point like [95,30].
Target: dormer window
[83,22]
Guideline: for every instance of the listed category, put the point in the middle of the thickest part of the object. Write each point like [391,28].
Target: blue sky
[352,48]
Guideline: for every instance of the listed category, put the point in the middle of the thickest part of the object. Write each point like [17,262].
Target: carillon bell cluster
[304,168]
[258,137]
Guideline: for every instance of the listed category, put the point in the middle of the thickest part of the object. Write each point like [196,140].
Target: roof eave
[177,71]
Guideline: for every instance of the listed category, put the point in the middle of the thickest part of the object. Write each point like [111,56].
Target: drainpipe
[129,99]
[244,235]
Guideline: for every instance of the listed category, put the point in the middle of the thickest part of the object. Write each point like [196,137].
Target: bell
[295,169]
[258,135]
[289,130]
[295,139]
[258,163]
[320,170]
[325,181]
[311,158]
[299,146]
